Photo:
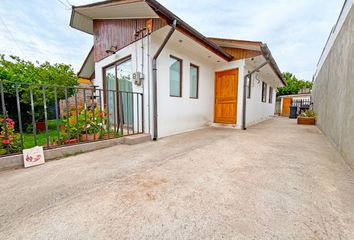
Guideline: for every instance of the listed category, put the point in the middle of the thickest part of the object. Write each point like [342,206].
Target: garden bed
[306,120]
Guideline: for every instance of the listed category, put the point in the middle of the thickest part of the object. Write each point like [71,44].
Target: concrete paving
[276,180]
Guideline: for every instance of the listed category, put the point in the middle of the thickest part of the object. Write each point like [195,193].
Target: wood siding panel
[239,53]
[225,107]
[119,33]
[158,23]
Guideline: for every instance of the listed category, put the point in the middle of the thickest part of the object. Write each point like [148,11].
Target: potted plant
[40,126]
[40,123]
[110,135]
[90,132]
[307,118]
[64,139]
[89,125]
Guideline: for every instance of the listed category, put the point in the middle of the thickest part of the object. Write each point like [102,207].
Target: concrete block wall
[333,93]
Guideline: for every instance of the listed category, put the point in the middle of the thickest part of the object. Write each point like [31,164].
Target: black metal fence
[56,116]
[302,105]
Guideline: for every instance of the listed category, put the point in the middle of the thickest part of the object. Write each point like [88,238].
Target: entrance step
[222,125]
[136,139]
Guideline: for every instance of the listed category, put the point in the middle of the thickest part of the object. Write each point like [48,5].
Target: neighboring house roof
[296,95]
[88,67]
[84,81]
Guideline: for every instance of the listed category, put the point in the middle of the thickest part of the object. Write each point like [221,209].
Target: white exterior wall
[178,115]
[181,114]
[258,111]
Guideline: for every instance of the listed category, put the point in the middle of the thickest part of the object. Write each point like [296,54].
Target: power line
[12,36]
[67,1]
[64,4]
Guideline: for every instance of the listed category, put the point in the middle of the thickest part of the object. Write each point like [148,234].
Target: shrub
[10,140]
[308,113]
[79,124]
[20,71]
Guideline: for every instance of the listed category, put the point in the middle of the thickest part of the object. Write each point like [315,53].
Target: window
[264,92]
[175,77]
[118,75]
[270,95]
[194,81]
[249,79]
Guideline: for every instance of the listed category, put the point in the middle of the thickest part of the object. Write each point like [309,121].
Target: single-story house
[187,81]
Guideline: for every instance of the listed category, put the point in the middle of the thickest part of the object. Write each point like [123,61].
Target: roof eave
[79,74]
[71,24]
[246,42]
[181,25]
[75,12]
[272,63]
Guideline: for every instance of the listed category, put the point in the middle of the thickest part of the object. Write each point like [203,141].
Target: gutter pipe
[244,103]
[269,60]
[154,76]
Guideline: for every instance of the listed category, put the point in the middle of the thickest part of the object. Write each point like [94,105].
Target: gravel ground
[276,180]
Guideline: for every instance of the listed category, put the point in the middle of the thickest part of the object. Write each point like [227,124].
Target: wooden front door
[225,106]
[286,107]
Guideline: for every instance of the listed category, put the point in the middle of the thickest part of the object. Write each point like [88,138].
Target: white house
[187,81]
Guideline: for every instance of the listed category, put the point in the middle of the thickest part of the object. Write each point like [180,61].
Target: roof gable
[82,18]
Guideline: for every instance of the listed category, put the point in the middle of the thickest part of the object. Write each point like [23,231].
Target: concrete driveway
[277,180]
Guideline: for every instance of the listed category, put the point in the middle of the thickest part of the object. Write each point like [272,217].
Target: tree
[294,85]
[16,71]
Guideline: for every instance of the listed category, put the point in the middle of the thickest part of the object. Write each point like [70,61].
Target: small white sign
[33,156]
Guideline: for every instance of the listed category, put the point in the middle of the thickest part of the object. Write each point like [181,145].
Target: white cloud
[295,31]
[42,32]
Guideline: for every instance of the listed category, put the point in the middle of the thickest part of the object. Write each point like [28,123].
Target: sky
[295,30]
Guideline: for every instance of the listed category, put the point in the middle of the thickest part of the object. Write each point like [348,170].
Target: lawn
[28,139]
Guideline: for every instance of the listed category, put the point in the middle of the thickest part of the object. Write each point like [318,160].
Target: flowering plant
[10,126]
[92,123]
[8,138]
[88,121]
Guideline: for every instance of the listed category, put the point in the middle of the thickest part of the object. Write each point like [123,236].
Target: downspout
[244,103]
[154,76]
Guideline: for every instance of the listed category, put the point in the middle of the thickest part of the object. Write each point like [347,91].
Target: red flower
[110,114]
[62,127]
[73,121]
[5,141]
[84,127]
[101,114]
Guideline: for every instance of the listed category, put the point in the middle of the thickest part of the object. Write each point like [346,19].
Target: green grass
[28,138]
